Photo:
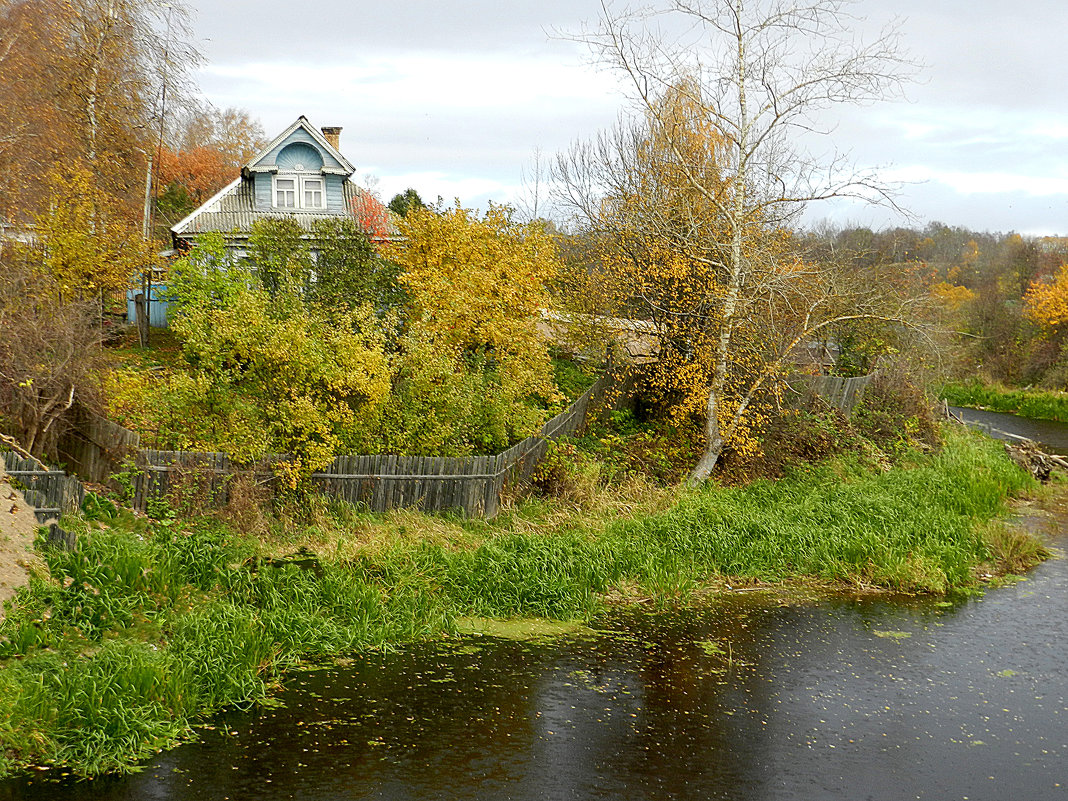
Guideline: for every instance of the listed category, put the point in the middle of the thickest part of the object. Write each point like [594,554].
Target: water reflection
[753,697]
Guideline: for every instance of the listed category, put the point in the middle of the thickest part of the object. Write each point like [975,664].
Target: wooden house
[301,174]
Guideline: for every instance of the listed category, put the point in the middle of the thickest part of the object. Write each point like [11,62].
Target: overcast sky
[453,97]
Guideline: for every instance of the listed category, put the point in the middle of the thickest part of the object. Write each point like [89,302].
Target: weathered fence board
[51,492]
[841,393]
[94,446]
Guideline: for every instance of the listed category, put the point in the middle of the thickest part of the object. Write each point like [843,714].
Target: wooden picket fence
[472,485]
[50,492]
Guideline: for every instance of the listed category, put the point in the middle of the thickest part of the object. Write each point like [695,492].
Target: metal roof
[233,211]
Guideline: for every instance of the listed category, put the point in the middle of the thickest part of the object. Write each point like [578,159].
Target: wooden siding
[158,309]
[264,187]
[299,135]
[335,194]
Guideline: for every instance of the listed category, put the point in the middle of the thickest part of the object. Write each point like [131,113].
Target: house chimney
[333,136]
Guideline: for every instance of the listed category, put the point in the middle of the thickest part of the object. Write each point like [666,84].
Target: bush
[567,473]
[895,410]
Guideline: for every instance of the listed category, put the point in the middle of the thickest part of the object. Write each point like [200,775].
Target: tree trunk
[710,458]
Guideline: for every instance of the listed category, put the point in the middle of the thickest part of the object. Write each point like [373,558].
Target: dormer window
[313,193]
[298,192]
[285,192]
[299,182]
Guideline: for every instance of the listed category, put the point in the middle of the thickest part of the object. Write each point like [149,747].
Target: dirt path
[18,527]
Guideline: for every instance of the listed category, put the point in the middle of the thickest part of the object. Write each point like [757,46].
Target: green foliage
[349,272]
[403,202]
[572,378]
[449,403]
[657,450]
[174,202]
[282,259]
[568,473]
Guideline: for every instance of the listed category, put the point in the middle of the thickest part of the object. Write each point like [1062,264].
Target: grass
[114,652]
[164,350]
[1036,404]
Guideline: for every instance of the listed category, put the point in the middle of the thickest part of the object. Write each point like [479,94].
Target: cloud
[455,96]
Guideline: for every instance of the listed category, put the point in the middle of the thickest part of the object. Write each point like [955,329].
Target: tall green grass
[1036,404]
[144,628]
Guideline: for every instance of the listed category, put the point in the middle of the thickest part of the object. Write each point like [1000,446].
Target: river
[1050,435]
[751,696]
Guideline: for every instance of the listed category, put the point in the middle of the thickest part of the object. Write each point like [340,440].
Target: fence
[841,393]
[94,447]
[472,484]
[50,492]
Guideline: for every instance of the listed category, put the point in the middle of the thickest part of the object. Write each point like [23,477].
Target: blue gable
[299,142]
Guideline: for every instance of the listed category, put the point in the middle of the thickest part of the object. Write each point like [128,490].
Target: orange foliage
[372,216]
[203,171]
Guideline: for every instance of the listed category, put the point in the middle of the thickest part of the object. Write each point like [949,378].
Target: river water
[751,696]
[1050,435]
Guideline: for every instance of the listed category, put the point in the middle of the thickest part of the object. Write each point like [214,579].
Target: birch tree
[754,81]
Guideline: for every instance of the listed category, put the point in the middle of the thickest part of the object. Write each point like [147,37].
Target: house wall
[335,194]
[264,187]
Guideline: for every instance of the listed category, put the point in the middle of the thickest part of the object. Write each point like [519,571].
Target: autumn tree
[50,355]
[231,132]
[756,78]
[472,357]
[83,245]
[81,82]
[203,151]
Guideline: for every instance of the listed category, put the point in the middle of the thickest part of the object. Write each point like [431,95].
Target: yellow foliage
[1046,304]
[479,285]
[87,249]
[951,296]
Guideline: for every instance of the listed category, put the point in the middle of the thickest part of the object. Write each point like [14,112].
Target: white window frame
[295,190]
[300,184]
[304,181]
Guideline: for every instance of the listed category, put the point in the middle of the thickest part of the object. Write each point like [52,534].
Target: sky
[457,98]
